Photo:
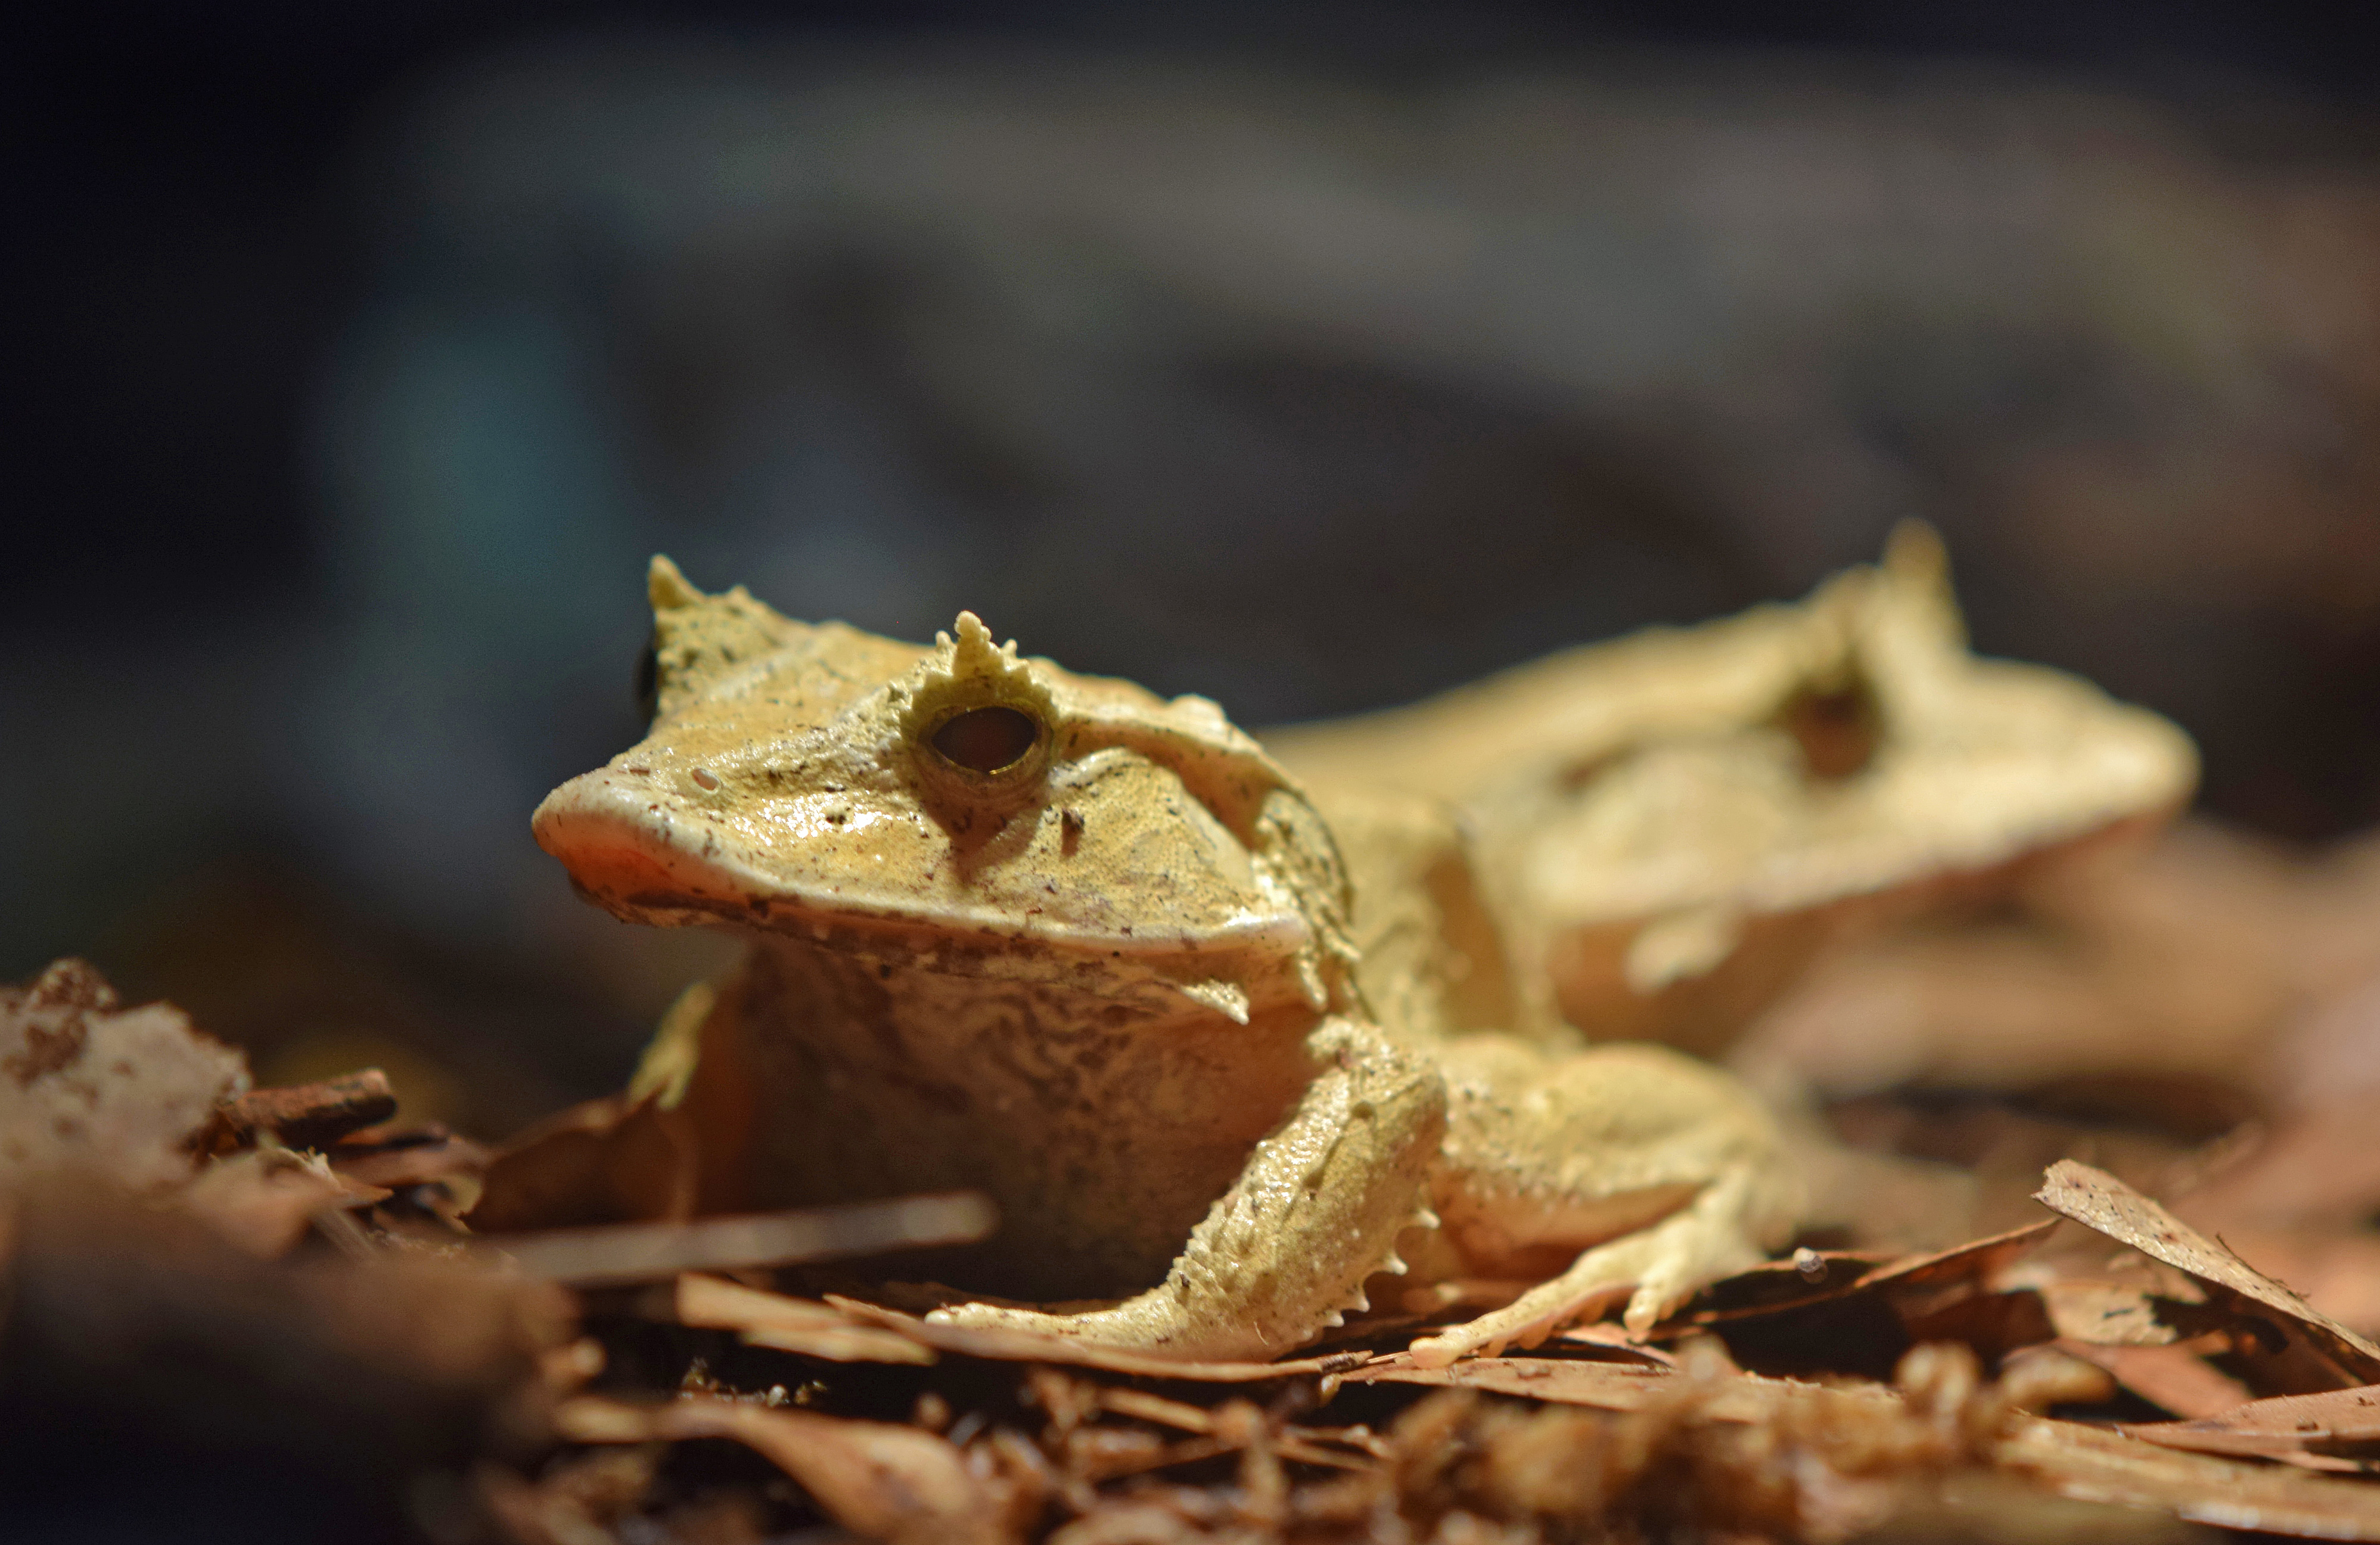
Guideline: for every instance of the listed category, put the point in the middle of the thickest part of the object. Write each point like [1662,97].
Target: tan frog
[1052,937]
[1675,824]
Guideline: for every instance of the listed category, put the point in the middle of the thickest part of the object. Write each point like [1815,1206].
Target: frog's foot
[1656,1269]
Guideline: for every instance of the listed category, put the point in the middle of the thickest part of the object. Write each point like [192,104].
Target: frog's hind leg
[1662,1173]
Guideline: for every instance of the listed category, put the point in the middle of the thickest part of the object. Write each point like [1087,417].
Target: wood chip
[1143,1406]
[310,1115]
[2099,1201]
[648,1252]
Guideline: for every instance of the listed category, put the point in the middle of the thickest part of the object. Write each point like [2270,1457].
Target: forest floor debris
[261,1307]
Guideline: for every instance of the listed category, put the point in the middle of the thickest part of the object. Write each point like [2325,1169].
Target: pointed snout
[630,844]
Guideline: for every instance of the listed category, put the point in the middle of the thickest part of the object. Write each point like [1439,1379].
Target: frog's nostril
[987,739]
[704,780]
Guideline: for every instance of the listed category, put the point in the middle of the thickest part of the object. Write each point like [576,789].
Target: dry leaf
[880,1481]
[1914,1283]
[2330,1422]
[414,1158]
[1775,1286]
[1962,1266]
[1985,1507]
[264,1199]
[2098,1199]
[2170,1378]
[1609,1343]
[1740,1397]
[1562,1381]
[647,1252]
[600,1162]
[2105,1313]
[85,1083]
[2336,1270]
[2092,1464]
[774,1321]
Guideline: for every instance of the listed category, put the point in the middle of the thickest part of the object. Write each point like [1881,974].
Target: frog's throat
[1103,1125]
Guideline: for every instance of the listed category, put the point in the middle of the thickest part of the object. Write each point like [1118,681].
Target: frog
[1677,823]
[1228,1073]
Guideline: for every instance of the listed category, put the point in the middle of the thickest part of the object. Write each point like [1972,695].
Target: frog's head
[955,807]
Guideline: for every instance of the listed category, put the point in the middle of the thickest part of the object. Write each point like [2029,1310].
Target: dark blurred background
[1312,357]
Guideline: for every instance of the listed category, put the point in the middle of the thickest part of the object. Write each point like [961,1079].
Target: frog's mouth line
[636,862]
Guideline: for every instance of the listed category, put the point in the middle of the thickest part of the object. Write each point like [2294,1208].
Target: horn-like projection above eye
[988,739]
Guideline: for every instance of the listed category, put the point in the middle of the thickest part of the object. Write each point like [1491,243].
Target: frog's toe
[1527,1321]
[1654,1300]
[1438,1351]
[988,1317]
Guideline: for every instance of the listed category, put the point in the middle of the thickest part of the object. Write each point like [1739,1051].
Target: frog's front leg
[1663,1172]
[1317,1209]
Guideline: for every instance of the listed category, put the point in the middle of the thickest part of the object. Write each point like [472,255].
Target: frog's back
[1433,958]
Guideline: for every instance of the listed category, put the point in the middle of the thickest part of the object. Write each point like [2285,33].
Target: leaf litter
[274,1293]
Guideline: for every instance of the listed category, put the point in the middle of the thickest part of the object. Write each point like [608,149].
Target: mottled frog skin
[1095,953]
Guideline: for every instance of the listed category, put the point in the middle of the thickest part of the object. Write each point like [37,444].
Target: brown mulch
[232,1313]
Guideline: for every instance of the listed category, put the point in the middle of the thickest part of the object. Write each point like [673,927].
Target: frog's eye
[989,740]
[1838,728]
